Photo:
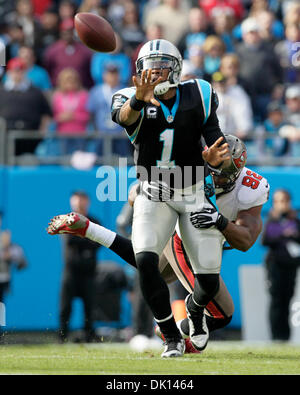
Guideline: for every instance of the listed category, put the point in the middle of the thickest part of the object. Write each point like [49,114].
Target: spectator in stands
[79,273]
[66,10]
[99,105]
[282,237]
[115,11]
[38,76]
[212,6]
[292,101]
[68,53]
[23,106]
[223,23]
[172,15]
[25,18]
[130,30]
[49,32]
[11,254]
[188,70]
[14,39]
[69,110]
[255,56]
[153,32]
[7,8]
[230,67]
[198,30]
[213,48]
[231,119]
[92,6]
[196,57]
[118,58]
[277,146]
[270,29]
[292,14]
[40,6]
[286,50]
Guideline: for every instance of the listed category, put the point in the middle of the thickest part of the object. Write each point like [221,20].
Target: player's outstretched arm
[243,233]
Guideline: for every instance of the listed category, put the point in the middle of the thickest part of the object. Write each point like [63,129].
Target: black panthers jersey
[169,136]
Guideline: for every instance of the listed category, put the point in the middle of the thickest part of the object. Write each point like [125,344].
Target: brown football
[95,32]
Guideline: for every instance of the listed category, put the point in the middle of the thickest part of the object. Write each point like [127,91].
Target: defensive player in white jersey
[241,194]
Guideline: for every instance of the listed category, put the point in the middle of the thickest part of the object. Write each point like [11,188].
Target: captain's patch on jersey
[151,113]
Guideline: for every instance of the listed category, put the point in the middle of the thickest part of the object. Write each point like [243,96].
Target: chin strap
[163,88]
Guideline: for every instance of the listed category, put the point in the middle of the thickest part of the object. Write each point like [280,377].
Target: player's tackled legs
[153,225]
[156,294]
[204,248]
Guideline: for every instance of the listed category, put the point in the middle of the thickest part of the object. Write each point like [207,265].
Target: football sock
[212,324]
[118,244]
[100,235]
[123,247]
[206,287]
[156,293]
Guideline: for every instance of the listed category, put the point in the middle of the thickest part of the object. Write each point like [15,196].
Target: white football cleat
[174,348]
[189,349]
[199,333]
[72,223]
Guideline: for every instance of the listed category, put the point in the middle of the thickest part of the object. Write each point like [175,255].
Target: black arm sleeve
[211,129]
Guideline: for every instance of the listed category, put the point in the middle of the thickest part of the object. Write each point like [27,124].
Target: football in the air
[95,32]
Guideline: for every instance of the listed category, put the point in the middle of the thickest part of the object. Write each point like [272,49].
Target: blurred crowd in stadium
[248,49]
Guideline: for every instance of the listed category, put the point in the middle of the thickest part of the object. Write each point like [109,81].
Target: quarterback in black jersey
[165,120]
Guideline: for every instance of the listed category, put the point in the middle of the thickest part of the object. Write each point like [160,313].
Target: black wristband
[137,105]
[221,223]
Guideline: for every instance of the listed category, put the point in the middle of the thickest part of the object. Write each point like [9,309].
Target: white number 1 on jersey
[167,136]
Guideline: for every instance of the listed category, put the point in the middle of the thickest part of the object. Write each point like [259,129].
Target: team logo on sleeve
[118,102]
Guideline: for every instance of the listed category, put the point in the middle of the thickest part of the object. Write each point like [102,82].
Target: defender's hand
[216,154]
[145,88]
[207,218]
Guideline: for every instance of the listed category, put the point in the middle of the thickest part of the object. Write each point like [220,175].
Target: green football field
[112,359]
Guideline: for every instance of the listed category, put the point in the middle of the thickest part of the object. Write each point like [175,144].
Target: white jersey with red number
[250,190]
